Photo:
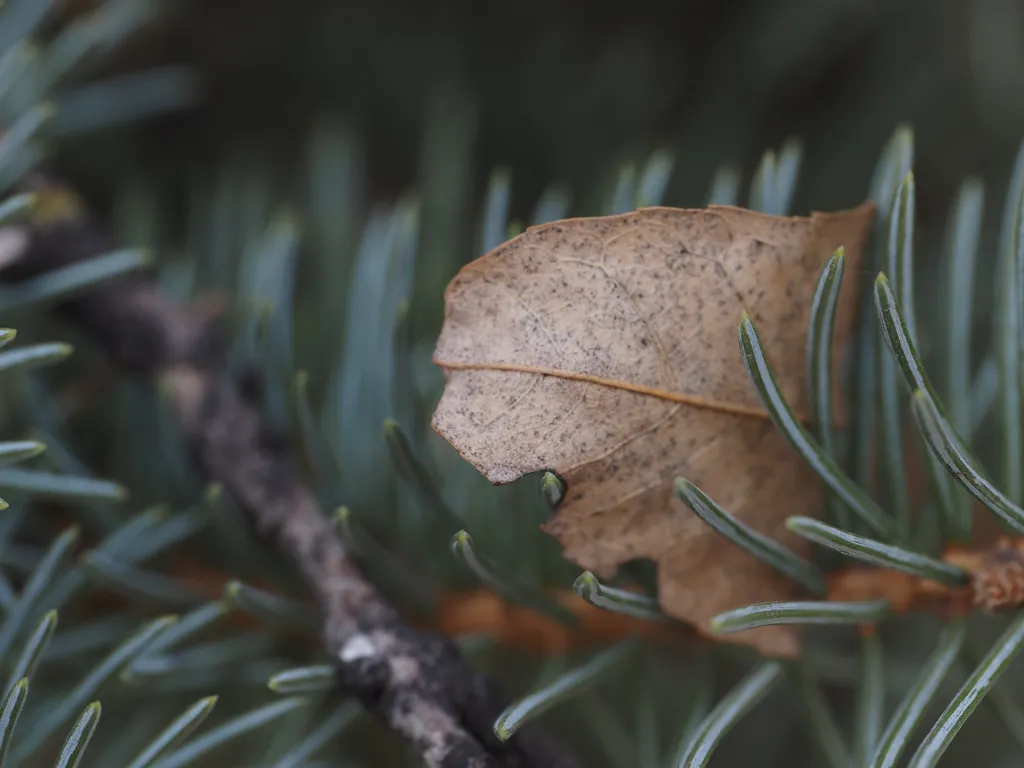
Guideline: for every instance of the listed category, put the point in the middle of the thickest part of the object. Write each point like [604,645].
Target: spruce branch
[415,682]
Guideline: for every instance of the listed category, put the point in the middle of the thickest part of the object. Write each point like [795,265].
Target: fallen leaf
[605,349]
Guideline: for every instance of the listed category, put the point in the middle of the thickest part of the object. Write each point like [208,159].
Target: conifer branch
[415,682]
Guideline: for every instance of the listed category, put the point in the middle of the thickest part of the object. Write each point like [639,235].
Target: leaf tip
[341,517]
[47,109]
[233,589]
[718,623]
[683,487]
[461,539]
[799,522]
[213,492]
[502,731]
[584,584]
[553,488]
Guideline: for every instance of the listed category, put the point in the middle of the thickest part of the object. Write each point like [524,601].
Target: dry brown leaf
[606,350]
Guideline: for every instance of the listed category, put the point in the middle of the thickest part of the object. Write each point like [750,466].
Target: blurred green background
[567,91]
[436,94]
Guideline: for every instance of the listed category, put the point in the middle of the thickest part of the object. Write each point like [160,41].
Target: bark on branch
[416,682]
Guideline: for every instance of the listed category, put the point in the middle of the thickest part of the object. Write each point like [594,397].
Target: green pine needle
[898,339]
[35,356]
[899,258]
[917,699]
[47,485]
[67,282]
[622,601]
[730,710]
[408,467]
[41,577]
[1008,330]
[14,702]
[820,334]
[805,612]
[21,450]
[870,696]
[79,736]
[963,237]
[329,729]
[654,179]
[315,679]
[852,495]
[178,731]
[263,605]
[821,720]
[139,584]
[877,553]
[552,488]
[16,208]
[505,583]
[937,432]
[979,683]
[764,548]
[570,684]
[33,649]
[762,186]
[237,727]
[87,686]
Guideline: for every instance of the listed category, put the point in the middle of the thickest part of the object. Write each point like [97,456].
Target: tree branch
[416,682]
